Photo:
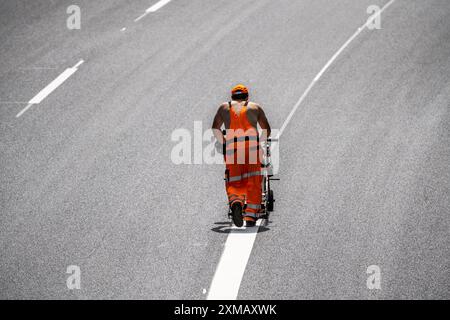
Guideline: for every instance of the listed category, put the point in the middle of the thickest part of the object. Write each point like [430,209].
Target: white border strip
[227,279]
[238,247]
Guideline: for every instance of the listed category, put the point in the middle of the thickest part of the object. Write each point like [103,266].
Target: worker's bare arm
[263,123]
[217,125]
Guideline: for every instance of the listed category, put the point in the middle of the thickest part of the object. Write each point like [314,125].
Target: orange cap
[240,88]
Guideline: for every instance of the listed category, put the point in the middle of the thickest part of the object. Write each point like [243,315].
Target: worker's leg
[234,184]
[253,192]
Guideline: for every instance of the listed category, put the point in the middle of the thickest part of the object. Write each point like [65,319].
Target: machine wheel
[270,201]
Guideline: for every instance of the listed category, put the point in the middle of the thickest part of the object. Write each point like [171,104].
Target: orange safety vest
[241,138]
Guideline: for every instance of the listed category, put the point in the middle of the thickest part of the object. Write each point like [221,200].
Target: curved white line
[238,247]
[327,65]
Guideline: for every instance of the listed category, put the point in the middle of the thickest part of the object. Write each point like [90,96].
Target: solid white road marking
[153,8]
[50,87]
[238,247]
[327,65]
[230,270]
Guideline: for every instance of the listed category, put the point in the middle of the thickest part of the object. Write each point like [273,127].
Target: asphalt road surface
[87,179]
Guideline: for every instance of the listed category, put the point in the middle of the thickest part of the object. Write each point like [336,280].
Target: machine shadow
[225,227]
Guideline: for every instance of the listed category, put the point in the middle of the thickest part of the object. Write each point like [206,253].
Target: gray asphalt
[86,176]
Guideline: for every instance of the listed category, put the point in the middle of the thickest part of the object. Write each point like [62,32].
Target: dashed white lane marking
[153,8]
[50,87]
[24,110]
[230,270]
[158,5]
[327,65]
[140,17]
[123,29]
[239,244]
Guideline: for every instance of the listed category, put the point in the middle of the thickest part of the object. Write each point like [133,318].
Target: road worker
[242,153]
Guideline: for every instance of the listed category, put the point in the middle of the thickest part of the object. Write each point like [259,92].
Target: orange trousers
[244,184]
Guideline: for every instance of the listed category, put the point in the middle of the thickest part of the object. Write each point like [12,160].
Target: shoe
[249,222]
[236,210]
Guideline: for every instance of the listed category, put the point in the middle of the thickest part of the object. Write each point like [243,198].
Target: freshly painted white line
[238,247]
[230,270]
[153,8]
[327,65]
[51,87]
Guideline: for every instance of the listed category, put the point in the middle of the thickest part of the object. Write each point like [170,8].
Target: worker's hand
[219,147]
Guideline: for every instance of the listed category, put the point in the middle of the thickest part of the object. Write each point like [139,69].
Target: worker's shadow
[226,227]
